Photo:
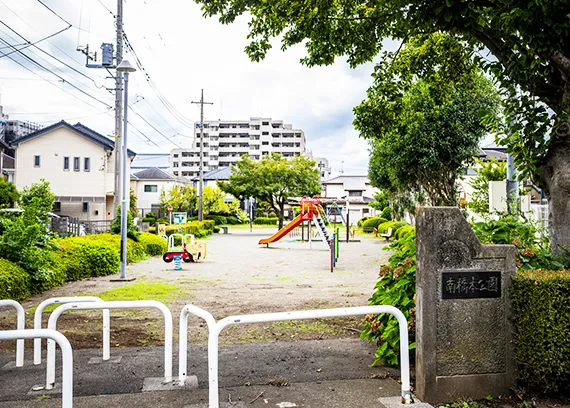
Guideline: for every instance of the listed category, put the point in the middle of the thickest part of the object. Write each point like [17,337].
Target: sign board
[170,208]
[179,218]
[470,285]
[162,230]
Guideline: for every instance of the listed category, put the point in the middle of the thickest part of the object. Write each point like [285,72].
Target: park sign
[464,326]
[179,217]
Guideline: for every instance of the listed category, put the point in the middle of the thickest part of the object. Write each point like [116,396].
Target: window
[76,164]
[150,188]
[175,173]
[85,207]
[175,155]
[86,164]
[175,164]
[265,123]
[57,206]
[265,143]
[356,193]
[36,161]
[66,163]
[265,133]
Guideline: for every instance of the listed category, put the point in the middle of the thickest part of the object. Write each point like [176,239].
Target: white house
[352,191]
[148,184]
[77,161]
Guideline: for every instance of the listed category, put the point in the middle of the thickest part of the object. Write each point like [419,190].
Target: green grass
[151,290]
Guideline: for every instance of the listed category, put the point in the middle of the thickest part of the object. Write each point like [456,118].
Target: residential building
[354,192]
[148,185]
[212,177]
[145,161]
[77,161]
[225,141]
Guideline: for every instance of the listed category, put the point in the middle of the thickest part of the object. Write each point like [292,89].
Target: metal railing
[127,304]
[65,300]
[308,314]
[66,352]
[20,325]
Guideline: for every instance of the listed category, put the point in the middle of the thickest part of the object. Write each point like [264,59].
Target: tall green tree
[492,170]
[181,198]
[274,179]
[425,126]
[8,194]
[529,47]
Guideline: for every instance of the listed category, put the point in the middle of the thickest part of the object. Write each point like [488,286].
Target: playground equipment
[310,211]
[66,352]
[61,301]
[188,250]
[20,326]
[335,210]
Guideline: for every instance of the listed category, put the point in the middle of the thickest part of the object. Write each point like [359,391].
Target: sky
[182,52]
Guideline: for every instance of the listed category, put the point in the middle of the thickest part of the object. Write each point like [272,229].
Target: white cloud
[183,52]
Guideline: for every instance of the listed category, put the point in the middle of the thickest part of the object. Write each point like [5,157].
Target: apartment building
[225,141]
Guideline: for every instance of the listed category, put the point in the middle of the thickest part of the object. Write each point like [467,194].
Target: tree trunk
[280,213]
[555,178]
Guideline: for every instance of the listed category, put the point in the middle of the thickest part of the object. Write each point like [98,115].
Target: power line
[53,73]
[29,44]
[158,131]
[53,12]
[107,8]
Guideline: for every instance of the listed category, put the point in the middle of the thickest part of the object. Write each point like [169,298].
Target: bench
[388,234]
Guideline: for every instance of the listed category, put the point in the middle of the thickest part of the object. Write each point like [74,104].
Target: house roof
[489,154]
[153,174]
[348,180]
[222,173]
[80,129]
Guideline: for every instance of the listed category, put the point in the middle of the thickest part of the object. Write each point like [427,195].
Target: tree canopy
[423,117]
[273,179]
[181,198]
[8,194]
[493,170]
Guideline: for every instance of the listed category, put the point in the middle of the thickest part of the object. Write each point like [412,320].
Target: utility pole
[118,106]
[201,184]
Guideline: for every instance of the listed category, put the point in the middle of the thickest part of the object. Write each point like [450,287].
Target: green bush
[541,310]
[397,287]
[51,276]
[266,221]
[132,231]
[218,219]
[383,228]
[153,244]
[206,224]
[84,257]
[373,222]
[216,229]
[386,213]
[232,220]
[361,221]
[15,282]
[402,231]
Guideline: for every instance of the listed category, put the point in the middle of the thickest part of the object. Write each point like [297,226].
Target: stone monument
[464,328]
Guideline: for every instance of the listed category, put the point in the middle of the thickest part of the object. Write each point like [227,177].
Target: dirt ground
[238,276]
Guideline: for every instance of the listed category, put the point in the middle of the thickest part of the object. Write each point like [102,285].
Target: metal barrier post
[20,325]
[66,352]
[213,341]
[130,304]
[64,300]
[183,344]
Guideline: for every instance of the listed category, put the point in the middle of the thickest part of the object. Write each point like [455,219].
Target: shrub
[373,222]
[361,221]
[402,231]
[14,281]
[84,257]
[196,228]
[216,229]
[218,219]
[386,213]
[232,220]
[271,215]
[206,224]
[265,221]
[542,314]
[153,244]
[162,221]
[383,228]
[132,231]
[396,287]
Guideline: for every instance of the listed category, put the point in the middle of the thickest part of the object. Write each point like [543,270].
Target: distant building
[148,184]
[356,192]
[79,164]
[212,177]
[145,161]
[225,141]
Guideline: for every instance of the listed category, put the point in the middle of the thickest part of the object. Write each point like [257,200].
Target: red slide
[283,231]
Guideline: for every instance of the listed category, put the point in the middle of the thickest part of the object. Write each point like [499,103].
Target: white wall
[146,199]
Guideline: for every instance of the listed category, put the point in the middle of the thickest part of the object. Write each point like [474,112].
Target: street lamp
[126,68]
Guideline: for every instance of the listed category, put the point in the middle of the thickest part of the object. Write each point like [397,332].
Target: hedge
[373,222]
[266,221]
[541,310]
[196,228]
[15,282]
[153,244]
[402,231]
[218,219]
[83,257]
[395,225]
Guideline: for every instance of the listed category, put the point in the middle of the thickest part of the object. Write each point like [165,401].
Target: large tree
[423,117]
[528,42]
[274,179]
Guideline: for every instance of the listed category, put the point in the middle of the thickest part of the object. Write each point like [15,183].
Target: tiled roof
[222,173]
[153,174]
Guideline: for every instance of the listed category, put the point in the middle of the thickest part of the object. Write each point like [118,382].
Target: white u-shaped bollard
[309,314]
[66,352]
[21,323]
[183,343]
[64,300]
[130,304]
